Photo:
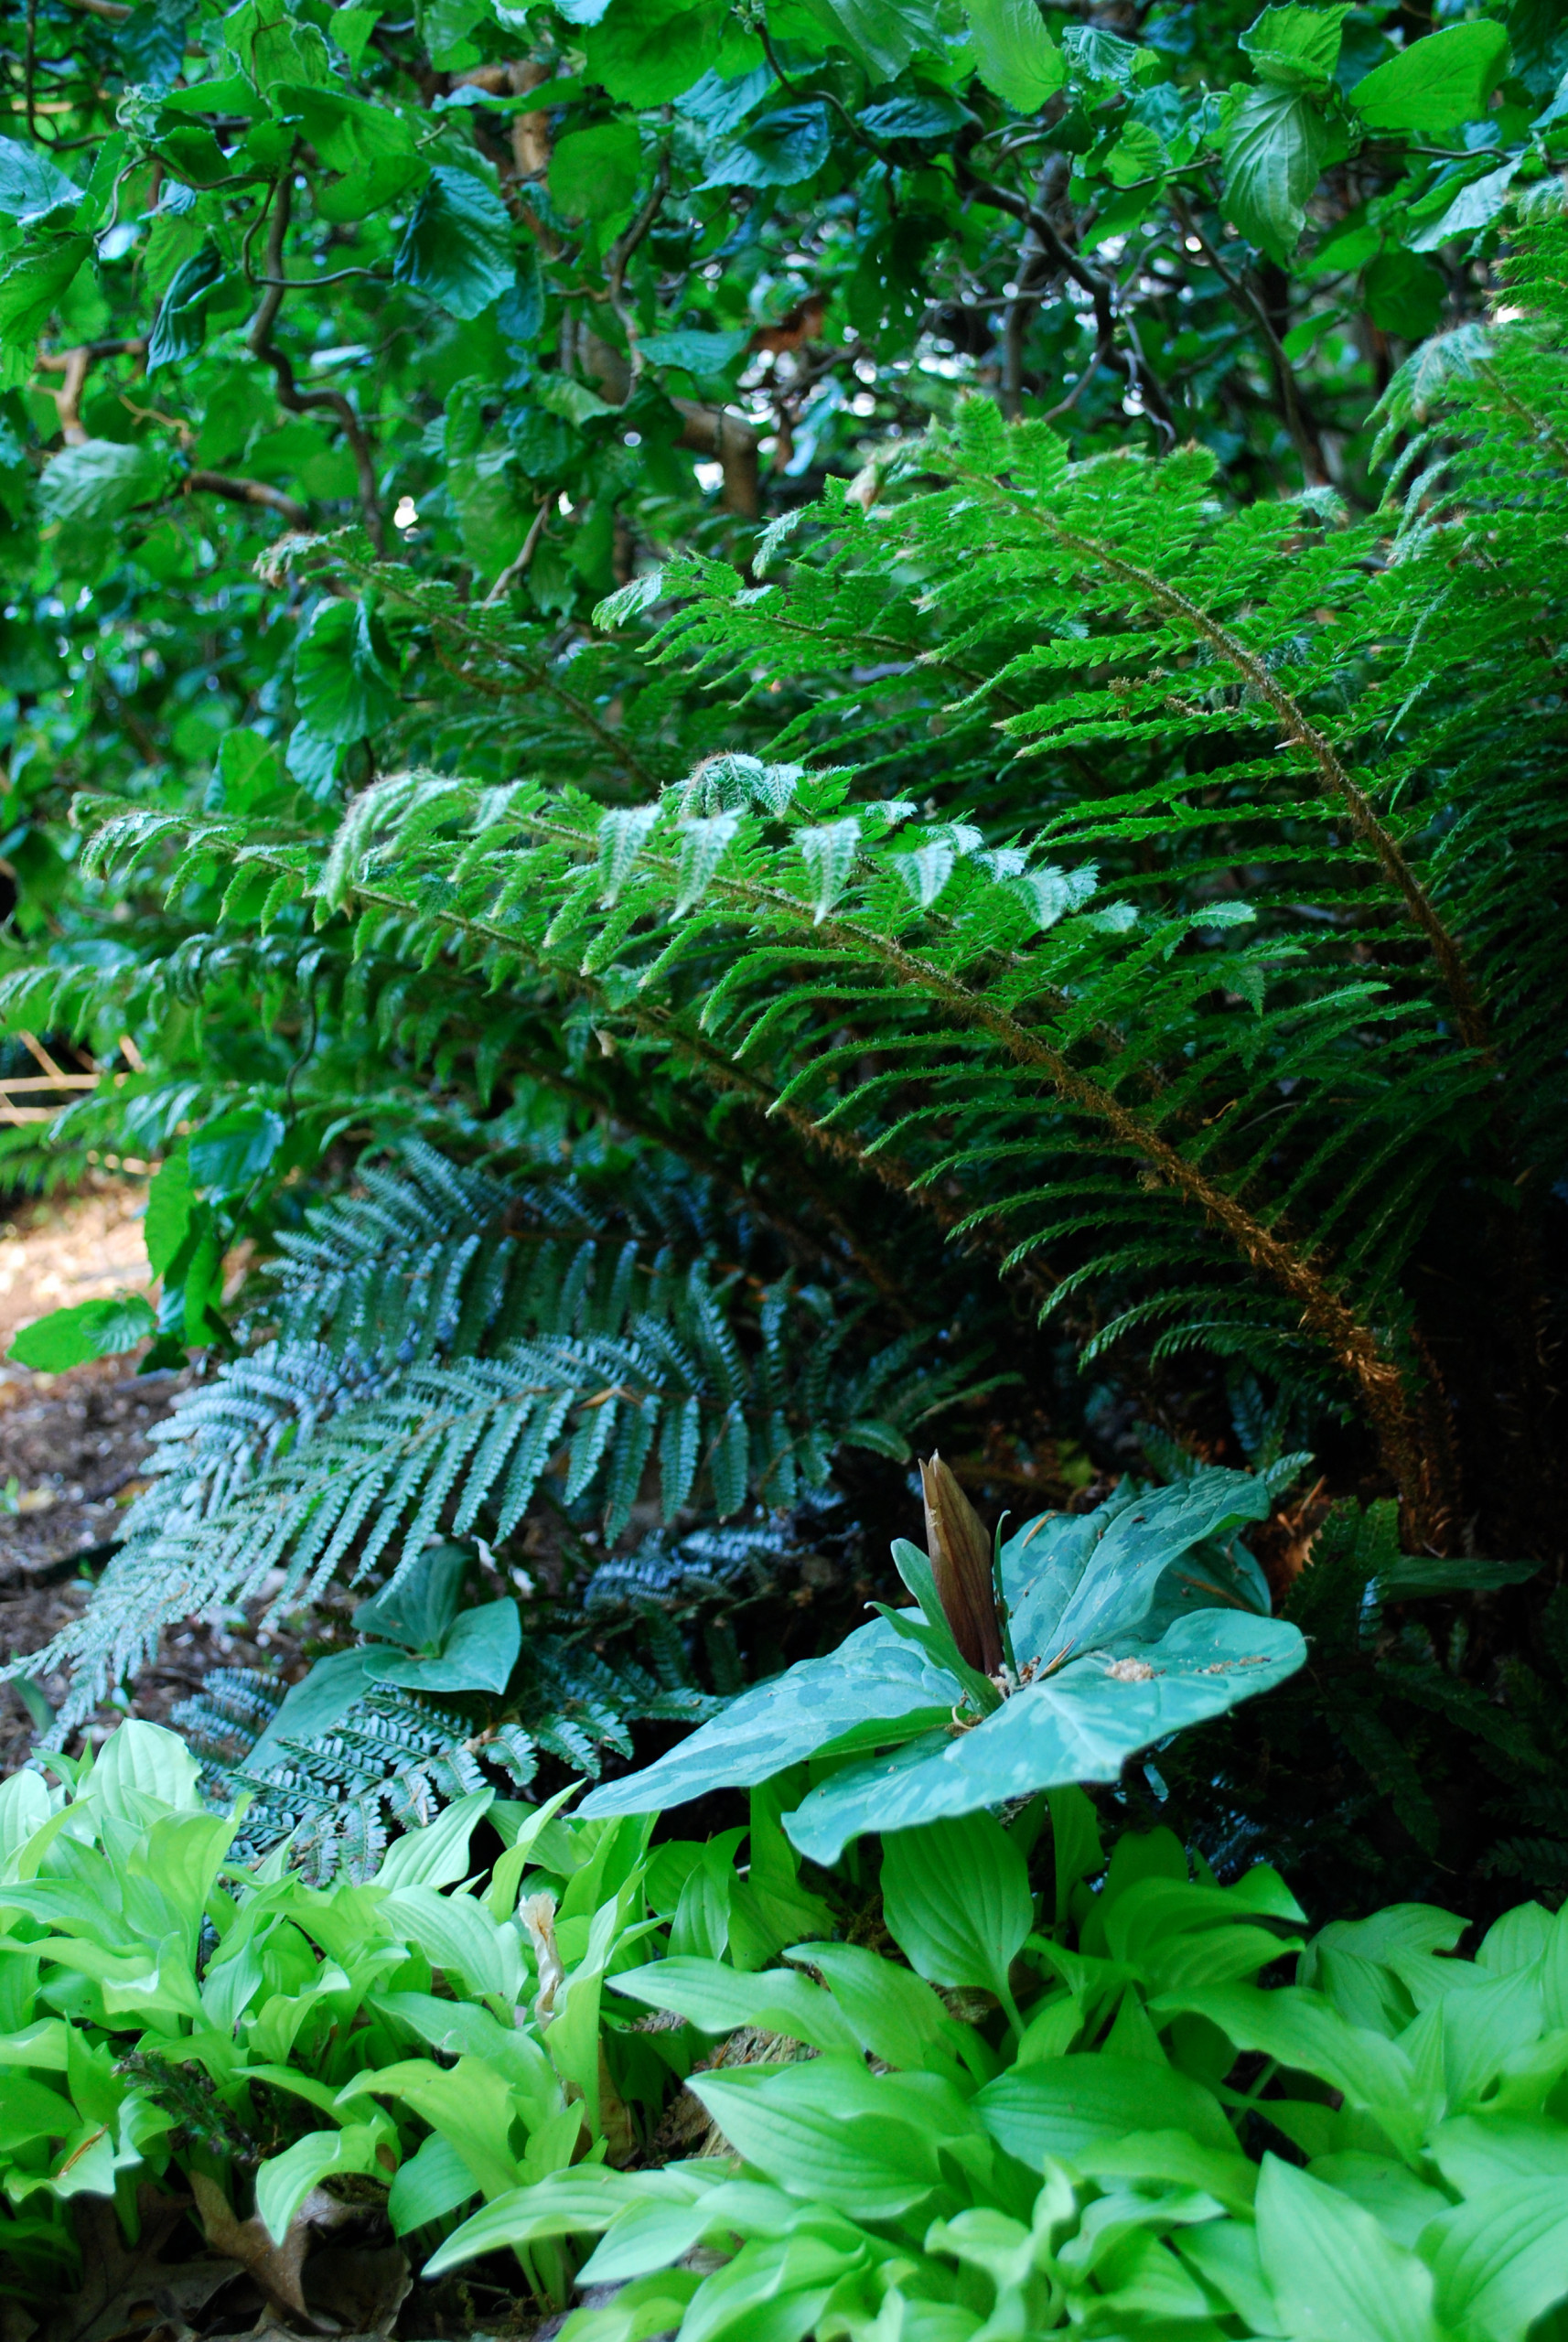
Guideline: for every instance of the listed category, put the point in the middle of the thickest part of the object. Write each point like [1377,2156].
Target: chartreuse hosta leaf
[1127,1625]
[1111,2169]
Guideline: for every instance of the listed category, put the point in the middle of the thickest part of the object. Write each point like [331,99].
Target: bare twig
[1298,421]
[1054,245]
[290,395]
[518,567]
[249,491]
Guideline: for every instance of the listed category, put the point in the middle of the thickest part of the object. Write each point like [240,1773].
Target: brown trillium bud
[960,1553]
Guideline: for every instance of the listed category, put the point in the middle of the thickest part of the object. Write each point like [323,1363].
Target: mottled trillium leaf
[1128,1624]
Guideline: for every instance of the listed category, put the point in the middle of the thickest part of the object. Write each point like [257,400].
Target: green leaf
[348,132]
[1334,2273]
[892,2015]
[478,1654]
[283,2182]
[30,185]
[31,286]
[645,54]
[436,1855]
[1437,82]
[90,485]
[182,321]
[419,1603]
[956,1896]
[594,172]
[1066,2104]
[145,1760]
[1014,54]
[883,34]
[458,246]
[1501,2260]
[342,689]
[1295,49]
[699,353]
[829,2131]
[436,2180]
[237,1148]
[312,1706]
[170,1201]
[717,1999]
[69,1337]
[780,150]
[1474,206]
[1079,1724]
[1274,146]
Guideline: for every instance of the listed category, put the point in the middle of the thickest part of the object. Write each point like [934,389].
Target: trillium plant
[1024,1664]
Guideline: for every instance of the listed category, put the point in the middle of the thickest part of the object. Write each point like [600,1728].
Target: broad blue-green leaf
[458,246]
[30,185]
[1014,54]
[69,1337]
[1274,143]
[1112,1611]
[417,1608]
[1336,2275]
[312,1706]
[478,1654]
[874,1674]
[1443,79]
[1080,1724]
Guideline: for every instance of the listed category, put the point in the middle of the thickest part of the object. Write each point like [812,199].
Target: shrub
[1106,2120]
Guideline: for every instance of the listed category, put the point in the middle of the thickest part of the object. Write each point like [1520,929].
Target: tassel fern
[443,1343]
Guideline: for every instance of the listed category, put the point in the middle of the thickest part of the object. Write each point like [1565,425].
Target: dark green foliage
[1422,1752]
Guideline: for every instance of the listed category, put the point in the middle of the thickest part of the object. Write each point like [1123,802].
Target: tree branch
[249,491]
[290,395]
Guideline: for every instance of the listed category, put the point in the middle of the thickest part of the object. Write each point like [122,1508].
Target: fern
[442,1342]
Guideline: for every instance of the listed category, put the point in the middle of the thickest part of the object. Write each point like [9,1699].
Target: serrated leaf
[1437,82]
[1274,143]
[1014,54]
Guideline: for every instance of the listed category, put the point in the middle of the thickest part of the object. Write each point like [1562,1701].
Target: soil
[73,1450]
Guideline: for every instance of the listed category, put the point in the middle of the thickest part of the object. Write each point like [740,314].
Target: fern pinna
[440,1342]
[1185,939]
